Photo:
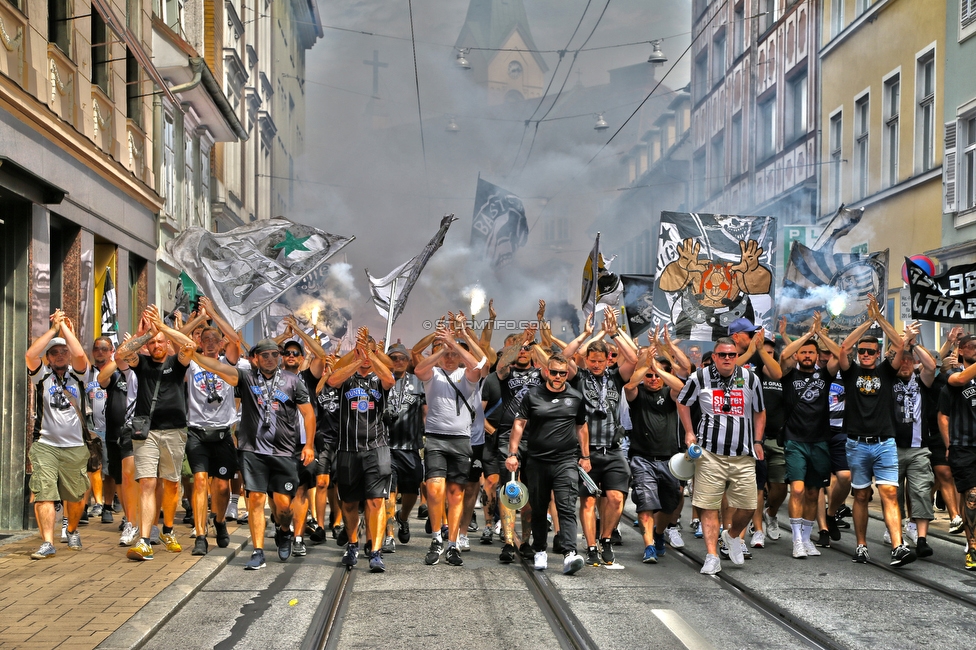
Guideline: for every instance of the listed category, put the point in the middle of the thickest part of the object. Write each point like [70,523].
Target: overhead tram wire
[420,115]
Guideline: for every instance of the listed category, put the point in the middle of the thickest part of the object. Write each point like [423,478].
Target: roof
[491,22]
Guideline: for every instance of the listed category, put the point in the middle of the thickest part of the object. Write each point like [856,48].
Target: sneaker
[659,546]
[200,546]
[606,551]
[464,544]
[434,552]
[615,537]
[572,563]
[428,528]
[389,545]
[799,549]
[123,523]
[861,555]
[832,529]
[673,537]
[697,528]
[64,530]
[188,516]
[886,537]
[84,517]
[96,510]
[902,555]
[486,535]
[956,527]
[811,549]
[548,522]
[736,547]
[116,504]
[403,529]
[154,538]
[376,562]
[169,541]
[454,556]
[242,518]
[473,526]
[650,554]
[222,536]
[746,553]
[971,559]
[910,531]
[257,560]
[318,535]
[283,541]
[823,539]
[107,516]
[723,548]
[758,540]
[342,537]
[74,541]
[498,529]
[770,526]
[507,555]
[140,552]
[231,513]
[351,556]
[298,548]
[922,549]
[540,561]
[422,511]
[527,552]
[844,512]
[712,565]
[129,534]
[592,557]
[47,550]
[444,531]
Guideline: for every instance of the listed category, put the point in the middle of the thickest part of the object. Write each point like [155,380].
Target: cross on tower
[376,71]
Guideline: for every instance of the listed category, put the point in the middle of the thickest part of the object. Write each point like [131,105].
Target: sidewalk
[78,599]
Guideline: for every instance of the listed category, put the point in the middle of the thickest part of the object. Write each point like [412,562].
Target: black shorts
[363,474]
[118,447]
[962,462]
[609,470]
[270,474]
[324,460]
[216,459]
[492,461]
[938,449]
[838,452]
[408,471]
[477,465]
[762,474]
[448,457]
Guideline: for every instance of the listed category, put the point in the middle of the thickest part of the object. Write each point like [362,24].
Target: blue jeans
[877,460]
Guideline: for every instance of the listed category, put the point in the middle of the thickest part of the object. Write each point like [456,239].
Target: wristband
[481,364]
[584,457]
[513,455]
[613,336]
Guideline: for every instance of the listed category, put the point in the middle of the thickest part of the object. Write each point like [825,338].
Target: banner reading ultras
[711,270]
[949,297]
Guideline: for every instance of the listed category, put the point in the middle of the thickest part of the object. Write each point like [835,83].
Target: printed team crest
[289,486]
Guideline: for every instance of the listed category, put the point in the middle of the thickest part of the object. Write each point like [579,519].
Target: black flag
[499,228]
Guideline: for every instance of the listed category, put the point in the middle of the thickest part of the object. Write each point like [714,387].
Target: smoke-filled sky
[371,182]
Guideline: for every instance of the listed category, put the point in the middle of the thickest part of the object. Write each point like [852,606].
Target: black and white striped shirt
[727,407]
[361,404]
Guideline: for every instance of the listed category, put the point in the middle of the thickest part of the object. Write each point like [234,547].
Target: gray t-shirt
[447,414]
[269,412]
[97,396]
[57,399]
[210,399]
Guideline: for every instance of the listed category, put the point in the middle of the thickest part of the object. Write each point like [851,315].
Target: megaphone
[682,465]
[514,495]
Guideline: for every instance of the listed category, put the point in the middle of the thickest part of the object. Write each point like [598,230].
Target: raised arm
[219,368]
[229,332]
[485,342]
[36,349]
[178,338]
[786,356]
[573,346]
[851,341]
[627,360]
[643,365]
[127,354]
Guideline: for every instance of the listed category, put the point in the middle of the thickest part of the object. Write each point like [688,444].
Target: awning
[132,43]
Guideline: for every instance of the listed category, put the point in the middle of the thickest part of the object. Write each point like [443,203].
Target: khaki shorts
[160,455]
[60,473]
[733,476]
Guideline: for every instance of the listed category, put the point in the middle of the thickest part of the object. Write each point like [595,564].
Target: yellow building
[880,115]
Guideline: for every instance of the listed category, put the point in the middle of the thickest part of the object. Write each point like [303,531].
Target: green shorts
[59,473]
[775,462]
[808,462]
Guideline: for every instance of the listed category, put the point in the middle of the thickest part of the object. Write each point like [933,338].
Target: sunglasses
[612,355]
[269,355]
[867,351]
[56,351]
[725,355]
[558,373]
[101,349]
[397,358]
[651,375]
[291,353]
[526,348]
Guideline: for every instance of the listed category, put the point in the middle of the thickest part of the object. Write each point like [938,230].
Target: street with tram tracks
[773,601]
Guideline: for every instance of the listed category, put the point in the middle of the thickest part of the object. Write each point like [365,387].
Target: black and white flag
[499,228]
[110,313]
[638,303]
[949,297]
[404,276]
[600,287]
[244,270]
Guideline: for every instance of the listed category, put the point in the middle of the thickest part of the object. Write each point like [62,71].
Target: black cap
[265,345]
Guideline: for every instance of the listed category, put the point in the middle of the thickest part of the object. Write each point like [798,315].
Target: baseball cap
[294,344]
[742,325]
[398,348]
[264,345]
[53,343]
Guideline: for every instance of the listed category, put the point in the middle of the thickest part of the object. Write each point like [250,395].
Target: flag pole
[595,266]
[389,315]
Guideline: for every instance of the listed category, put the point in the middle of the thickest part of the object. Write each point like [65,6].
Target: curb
[140,628]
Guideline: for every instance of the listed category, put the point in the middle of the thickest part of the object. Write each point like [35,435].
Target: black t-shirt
[170,411]
[930,408]
[806,397]
[552,420]
[602,395]
[513,388]
[910,429]
[959,403]
[269,412]
[325,433]
[772,396]
[406,402]
[870,404]
[655,419]
[361,403]
[116,403]
[491,394]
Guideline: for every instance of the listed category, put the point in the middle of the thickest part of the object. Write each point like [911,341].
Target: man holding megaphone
[730,433]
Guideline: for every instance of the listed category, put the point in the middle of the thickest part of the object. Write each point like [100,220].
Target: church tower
[508,76]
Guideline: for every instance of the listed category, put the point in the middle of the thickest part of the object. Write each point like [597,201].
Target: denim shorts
[877,460]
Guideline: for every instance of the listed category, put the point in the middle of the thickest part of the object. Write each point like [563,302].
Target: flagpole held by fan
[389,316]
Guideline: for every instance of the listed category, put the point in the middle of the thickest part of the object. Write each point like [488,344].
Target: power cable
[420,115]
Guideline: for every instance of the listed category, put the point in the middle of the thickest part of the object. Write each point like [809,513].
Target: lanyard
[268,394]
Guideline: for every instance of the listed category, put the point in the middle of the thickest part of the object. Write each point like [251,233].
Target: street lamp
[657,56]
[462,62]
[452,126]
[601,124]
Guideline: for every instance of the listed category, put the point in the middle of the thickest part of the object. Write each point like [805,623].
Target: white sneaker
[572,563]
[673,537]
[910,532]
[463,544]
[129,534]
[541,561]
[231,514]
[799,549]
[758,540]
[811,549]
[64,530]
[770,526]
[712,565]
[887,537]
[736,547]
[498,527]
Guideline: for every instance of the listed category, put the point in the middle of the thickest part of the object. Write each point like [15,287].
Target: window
[99,52]
[925,112]
[172,14]
[698,175]
[204,173]
[717,175]
[718,59]
[836,136]
[796,107]
[862,119]
[133,89]
[969,163]
[701,76]
[889,154]
[736,145]
[133,17]
[739,25]
[169,165]
[189,182]
[836,17]
[766,129]
[557,229]
[862,5]
[767,13]
[967,13]
[58,25]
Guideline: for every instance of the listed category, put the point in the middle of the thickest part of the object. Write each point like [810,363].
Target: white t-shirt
[60,424]
[446,413]
[220,411]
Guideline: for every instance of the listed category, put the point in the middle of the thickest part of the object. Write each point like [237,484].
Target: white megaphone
[514,495]
[682,465]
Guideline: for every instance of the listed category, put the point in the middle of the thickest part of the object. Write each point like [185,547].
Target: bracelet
[513,455]
[613,336]
[481,364]
[584,457]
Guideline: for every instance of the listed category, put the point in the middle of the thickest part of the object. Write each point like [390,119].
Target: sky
[379,185]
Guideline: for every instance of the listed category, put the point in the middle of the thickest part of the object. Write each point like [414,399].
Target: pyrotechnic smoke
[476,295]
